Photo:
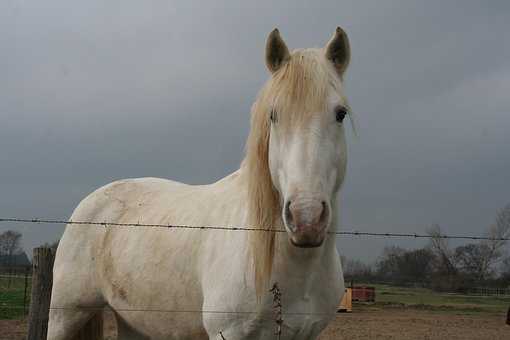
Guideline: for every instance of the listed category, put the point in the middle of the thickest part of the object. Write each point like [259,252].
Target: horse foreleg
[125,332]
[64,324]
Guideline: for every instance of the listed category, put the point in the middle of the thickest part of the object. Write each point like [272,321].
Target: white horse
[193,284]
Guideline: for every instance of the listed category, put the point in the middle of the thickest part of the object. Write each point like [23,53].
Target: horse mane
[294,93]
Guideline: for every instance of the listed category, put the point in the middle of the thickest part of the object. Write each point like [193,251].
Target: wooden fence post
[42,282]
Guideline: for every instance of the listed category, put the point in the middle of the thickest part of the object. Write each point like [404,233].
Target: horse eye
[273,117]
[341,112]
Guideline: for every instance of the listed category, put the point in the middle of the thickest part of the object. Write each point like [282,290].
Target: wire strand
[184,311]
[253,229]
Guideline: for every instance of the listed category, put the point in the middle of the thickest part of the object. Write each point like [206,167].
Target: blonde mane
[294,93]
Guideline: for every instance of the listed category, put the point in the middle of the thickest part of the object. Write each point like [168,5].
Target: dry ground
[413,324]
[372,323]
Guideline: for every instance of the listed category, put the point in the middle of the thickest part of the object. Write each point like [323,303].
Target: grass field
[12,296]
[422,298]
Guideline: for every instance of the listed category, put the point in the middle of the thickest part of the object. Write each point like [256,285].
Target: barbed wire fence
[279,313]
[107,224]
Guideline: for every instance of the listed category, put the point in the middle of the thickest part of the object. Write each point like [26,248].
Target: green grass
[11,300]
[12,296]
[422,298]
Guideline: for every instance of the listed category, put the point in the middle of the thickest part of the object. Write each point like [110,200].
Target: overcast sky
[94,91]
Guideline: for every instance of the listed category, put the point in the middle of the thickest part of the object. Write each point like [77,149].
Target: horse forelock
[300,88]
[295,92]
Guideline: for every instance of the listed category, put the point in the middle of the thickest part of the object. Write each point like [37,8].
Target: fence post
[42,280]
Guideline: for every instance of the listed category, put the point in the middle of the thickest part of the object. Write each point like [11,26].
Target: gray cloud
[95,91]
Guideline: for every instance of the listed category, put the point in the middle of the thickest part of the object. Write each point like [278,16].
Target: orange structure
[346,303]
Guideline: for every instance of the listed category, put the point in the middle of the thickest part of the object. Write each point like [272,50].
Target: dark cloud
[96,91]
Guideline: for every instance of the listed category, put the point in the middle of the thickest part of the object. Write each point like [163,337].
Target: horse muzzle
[307,220]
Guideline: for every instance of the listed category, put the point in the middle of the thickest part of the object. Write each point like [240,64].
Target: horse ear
[338,51]
[277,52]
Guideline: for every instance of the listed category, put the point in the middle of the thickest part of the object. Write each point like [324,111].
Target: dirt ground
[416,324]
[406,324]
[13,329]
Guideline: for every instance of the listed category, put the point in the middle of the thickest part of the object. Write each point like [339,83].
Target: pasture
[426,299]
[14,296]
[399,313]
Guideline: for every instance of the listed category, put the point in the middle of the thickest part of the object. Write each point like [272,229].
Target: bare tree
[492,251]
[440,247]
[505,269]
[502,225]
[475,259]
[10,244]
[472,260]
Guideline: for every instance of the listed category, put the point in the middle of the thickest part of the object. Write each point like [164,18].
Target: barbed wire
[175,311]
[252,229]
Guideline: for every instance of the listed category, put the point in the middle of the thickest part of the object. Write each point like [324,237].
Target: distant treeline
[440,266]
[13,258]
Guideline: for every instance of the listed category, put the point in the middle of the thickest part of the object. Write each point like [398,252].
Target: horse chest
[265,327]
[304,315]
